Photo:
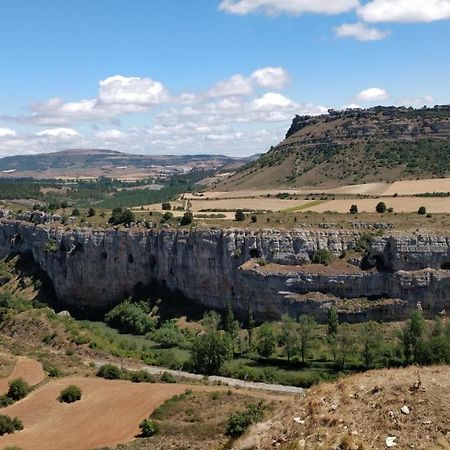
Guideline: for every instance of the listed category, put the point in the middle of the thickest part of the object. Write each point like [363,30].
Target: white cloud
[373,94]
[242,7]
[110,134]
[120,90]
[415,102]
[361,32]
[236,85]
[271,77]
[58,133]
[405,10]
[7,132]
[272,100]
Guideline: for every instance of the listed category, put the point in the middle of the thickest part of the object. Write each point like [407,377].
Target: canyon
[269,270]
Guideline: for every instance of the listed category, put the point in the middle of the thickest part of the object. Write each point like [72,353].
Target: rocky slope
[352,147]
[268,270]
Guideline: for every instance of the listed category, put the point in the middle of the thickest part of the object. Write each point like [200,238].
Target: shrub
[167,377]
[254,218]
[54,372]
[322,256]
[75,212]
[354,209]
[91,212]
[381,208]
[109,372]
[8,425]
[130,318]
[121,216]
[148,428]
[187,218]
[142,376]
[239,422]
[168,335]
[422,210]
[70,394]
[167,216]
[51,246]
[166,206]
[18,389]
[239,215]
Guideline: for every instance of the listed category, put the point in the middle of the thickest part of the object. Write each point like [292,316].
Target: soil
[28,369]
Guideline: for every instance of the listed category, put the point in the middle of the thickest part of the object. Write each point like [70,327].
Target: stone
[405,410]
[390,441]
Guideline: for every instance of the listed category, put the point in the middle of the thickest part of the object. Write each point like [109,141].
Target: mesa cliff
[269,270]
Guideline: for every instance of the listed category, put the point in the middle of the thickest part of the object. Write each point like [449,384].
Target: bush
[148,428]
[121,216]
[322,256]
[70,394]
[75,212]
[239,422]
[187,218]
[130,318]
[166,206]
[167,377]
[109,372]
[381,208]
[239,215]
[169,335]
[18,389]
[167,216]
[254,218]
[51,246]
[354,209]
[8,425]
[142,376]
[422,210]
[91,212]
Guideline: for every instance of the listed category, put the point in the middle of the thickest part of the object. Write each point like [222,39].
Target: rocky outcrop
[95,269]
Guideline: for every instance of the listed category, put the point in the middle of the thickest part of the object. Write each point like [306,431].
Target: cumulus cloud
[58,133]
[243,7]
[405,10]
[266,77]
[361,32]
[7,132]
[373,94]
[110,134]
[271,101]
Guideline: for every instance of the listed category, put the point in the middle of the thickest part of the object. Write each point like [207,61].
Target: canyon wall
[96,269]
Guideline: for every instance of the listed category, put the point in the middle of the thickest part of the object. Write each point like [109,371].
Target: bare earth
[108,413]
[28,369]
[400,204]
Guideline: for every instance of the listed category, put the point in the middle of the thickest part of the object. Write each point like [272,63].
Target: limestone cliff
[95,269]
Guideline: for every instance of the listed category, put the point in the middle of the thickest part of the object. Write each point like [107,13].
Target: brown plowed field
[28,369]
[109,413]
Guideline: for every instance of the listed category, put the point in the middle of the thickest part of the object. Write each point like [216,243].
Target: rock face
[95,269]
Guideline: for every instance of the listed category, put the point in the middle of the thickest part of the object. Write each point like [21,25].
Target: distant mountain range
[354,146]
[79,159]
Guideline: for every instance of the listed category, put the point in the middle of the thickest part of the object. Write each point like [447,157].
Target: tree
[332,322]
[64,204]
[148,428]
[121,216]
[266,340]
[109,372]
[354,209]
[322,256]
[91,212]
[289,336]
[345,344]
[75,212]
[167,216]
[254,218]
[166,206]
[18,389]
[381,208]
[168,335]
[131,318]
[306,334]
[371,339]
[231,326]
[211,321]
[413,337]
[422,210]
[210,351]
[250,327]
[187,219]
[70,394]
[239,215]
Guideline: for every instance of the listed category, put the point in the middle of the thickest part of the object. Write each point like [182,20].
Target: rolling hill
[352,147]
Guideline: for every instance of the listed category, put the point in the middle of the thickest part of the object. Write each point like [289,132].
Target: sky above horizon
[207,76]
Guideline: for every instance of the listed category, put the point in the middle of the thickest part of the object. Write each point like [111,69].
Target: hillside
[352,147]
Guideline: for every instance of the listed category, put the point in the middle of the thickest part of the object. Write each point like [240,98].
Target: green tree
[91,212]
[381,207]
[168,335]
[148,428]
[354,209]
[289,336]
[211,321]
[239,215]
[121,216]
[371,339]
[64,204]
[131,318]
[332,322]
[75,212]
[266,340]
[166,206]
[322,256]
[187,219]
[345,344]
[422,210]
[250,327]
[210,351]
[413,337]
[306,335]
[231,325]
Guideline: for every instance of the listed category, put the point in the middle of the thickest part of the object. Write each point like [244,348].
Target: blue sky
[210,76]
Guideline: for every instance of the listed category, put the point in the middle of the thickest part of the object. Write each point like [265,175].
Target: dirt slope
[28,369]
[108,413]
[361,411]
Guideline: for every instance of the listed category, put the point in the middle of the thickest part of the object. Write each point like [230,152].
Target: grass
[304,206]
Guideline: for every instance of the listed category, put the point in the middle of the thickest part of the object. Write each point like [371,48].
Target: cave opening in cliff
[254,253]
[445,265]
